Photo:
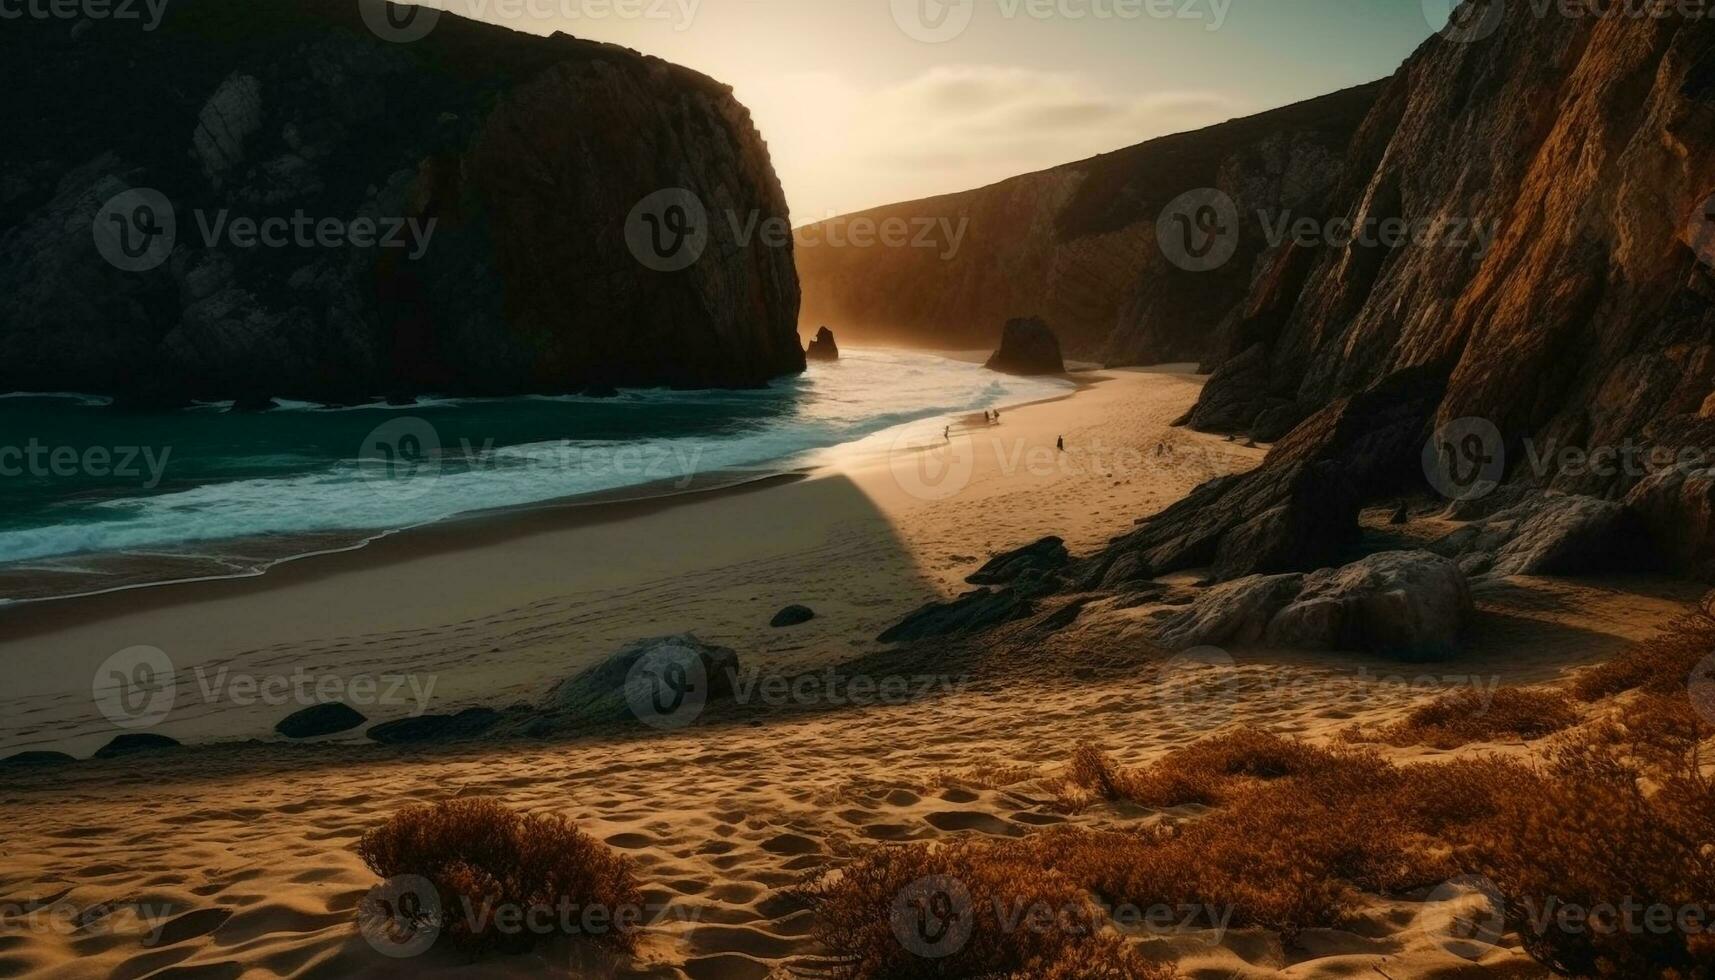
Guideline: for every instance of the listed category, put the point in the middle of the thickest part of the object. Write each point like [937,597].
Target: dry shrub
[1202,773]
[1292,851]
[1623,815]
[1661,664]
[1463,717]
[860,913]
[481,856]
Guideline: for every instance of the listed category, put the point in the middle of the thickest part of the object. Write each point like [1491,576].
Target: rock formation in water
[1554,176]
[270,199]
[1078,243]
[823,348]
[1027,346]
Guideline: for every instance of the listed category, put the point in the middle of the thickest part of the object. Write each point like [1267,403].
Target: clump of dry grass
[1462,717]
[1201,773]
[1661,664]
[1623,816]
[864,908]
[1299,831]
[482,857]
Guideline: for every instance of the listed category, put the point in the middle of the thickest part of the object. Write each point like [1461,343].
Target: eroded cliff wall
[1077,244]
[506,168]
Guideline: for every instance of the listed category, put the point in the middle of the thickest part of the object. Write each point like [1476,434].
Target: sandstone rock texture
[1564,160]
[1028,346]
[1077,244]
[1412,605]
[528,154]
[1557,174]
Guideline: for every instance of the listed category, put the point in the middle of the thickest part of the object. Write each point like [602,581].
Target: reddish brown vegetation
[482,857]
[860,913]
[1466,716]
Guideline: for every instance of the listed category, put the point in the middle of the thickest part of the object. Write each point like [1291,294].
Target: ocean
[93,498]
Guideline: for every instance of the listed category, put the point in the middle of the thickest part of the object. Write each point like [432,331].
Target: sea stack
[823,347]
[1028,346]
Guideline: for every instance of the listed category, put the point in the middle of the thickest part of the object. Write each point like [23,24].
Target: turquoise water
[79,478]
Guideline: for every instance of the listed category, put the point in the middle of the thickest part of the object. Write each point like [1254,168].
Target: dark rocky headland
[525,155]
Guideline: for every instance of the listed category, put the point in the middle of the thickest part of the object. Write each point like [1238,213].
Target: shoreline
[467,529]
[498,604]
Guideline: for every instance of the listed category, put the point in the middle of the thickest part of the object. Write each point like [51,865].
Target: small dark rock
[320,719]
[433,728]
[792,616]
[253,404]
[1028,346]
[134,742]
[1045,555]
[969,613]
[823,347]
[26,759]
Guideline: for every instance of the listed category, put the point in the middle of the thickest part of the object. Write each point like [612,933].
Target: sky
[869,102]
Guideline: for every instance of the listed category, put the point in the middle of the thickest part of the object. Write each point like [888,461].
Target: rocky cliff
[1077,244]
[1587,146]
[291,198]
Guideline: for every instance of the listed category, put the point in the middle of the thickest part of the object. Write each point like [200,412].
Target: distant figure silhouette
[947,433]
[1061,444]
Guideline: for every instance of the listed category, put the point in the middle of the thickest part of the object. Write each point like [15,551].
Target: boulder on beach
[1549,535]
[25,760]
[823,347]
[468,723]
[1045,555]
[1676,508]
[320,719]
[792,616]
[598,693]
[1028,346]
[1407,604]
[134,742]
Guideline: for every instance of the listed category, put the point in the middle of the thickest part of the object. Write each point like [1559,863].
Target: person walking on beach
[947,433]
[1061,445]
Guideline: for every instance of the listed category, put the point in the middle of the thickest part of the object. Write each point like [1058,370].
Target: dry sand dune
[242,855]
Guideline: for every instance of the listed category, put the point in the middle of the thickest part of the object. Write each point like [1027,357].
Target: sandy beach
[236,859]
